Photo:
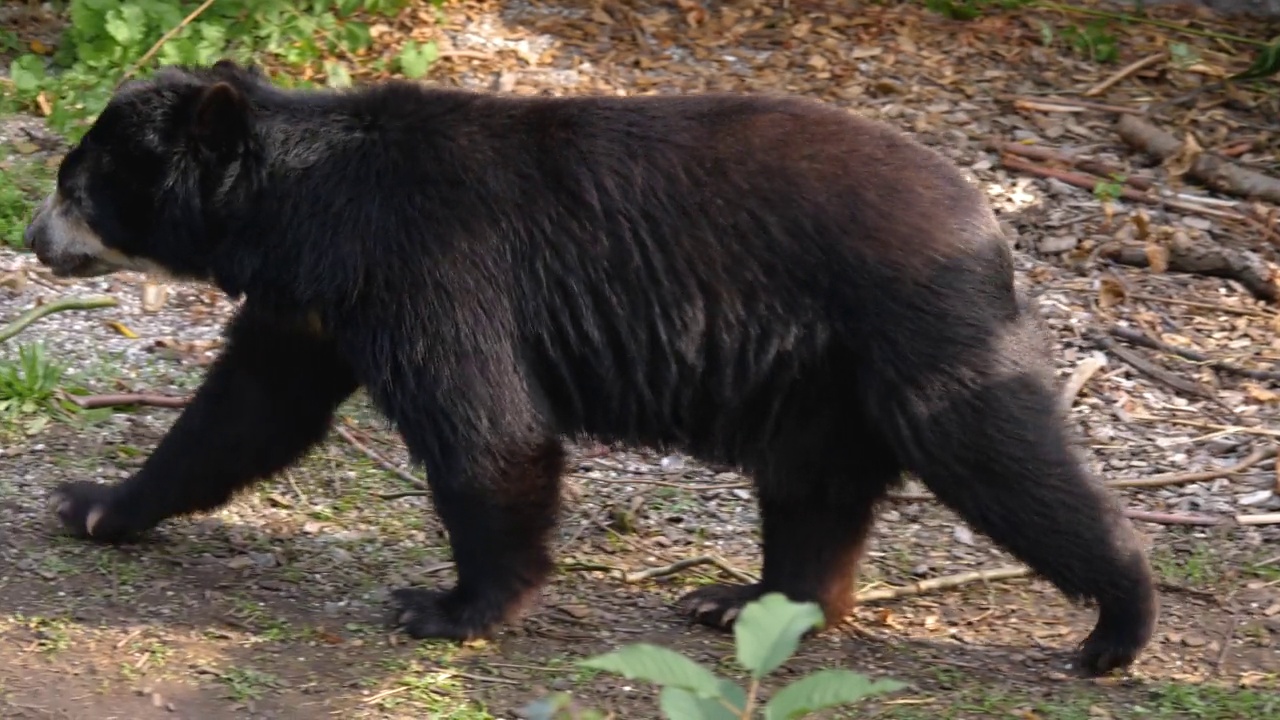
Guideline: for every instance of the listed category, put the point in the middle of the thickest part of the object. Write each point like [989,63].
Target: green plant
[766,634]
[106,41]
[1109,190]
[29,385]
[22,184]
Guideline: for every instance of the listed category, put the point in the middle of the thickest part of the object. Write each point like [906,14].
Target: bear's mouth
[78,266]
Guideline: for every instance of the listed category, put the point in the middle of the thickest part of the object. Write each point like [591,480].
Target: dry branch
[1079,378]
[1198,305]
[1150,369]
[39,311]
[1124,72]
[1171,518]
[1058,104]
[692,487]
[386,464]
[1097,167]
[1204,258]
[1214,172]
[1089,182]
[92,402]
[679,566]
[1137,337]
[942,583]
[1187,478]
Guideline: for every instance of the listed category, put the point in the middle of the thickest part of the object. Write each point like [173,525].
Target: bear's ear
[220,121]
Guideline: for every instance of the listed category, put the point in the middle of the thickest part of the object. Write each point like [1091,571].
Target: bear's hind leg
[267,399]
[997,453]
[813,535]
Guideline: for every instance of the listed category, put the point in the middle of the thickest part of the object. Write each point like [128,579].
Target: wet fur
[765,282]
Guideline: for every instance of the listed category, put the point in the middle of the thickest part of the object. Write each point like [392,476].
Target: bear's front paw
[437,614]
[84,508]
[718,606]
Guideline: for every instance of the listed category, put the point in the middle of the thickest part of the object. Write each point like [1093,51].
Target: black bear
[765,282]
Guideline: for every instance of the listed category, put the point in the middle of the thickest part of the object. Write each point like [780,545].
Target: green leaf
[416,59]
[824,689]
[126,24]
[27,73]
[659,665]
[336,74]
[1265,65]
[546,708]
[677,704]
[769,631]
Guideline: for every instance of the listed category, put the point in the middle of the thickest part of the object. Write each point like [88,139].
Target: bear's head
[146,187]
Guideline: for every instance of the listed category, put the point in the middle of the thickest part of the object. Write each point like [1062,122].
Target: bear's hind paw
[717,606]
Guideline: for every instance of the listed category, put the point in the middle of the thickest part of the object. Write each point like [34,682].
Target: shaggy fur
[765,282]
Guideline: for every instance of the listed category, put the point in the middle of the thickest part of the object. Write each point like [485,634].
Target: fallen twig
[942,583]
[1261,519]
[1150,369]
[692,487]
[91,402]
[1097,167]
[378,458]
[1090,182]
[1058,104]
[1250,312]
[1214,172]
[1244,429]
[1186,478]
[1160,518]
[1137,337]
[679,566]
[39,311]
[1123,73]
[1203,258]
[1079,378]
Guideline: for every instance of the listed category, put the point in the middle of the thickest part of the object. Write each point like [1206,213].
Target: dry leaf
[1261,394]
[122,329]
[1181,162]
[1141,224]
[154,296]
[1157,258]
[1111,292]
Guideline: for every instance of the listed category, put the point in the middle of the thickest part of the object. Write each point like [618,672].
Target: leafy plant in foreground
[766,634]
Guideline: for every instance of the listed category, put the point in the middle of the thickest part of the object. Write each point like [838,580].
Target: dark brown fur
[769,283]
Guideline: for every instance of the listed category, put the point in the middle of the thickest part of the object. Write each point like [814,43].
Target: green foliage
[766,634]
[105,40]
[971,9]
[1265,65]
[29,387]
[1109,190]
[22,185]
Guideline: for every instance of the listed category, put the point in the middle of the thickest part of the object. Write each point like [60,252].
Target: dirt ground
[274,606]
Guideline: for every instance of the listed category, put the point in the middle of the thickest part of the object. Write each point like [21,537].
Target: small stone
[265,560]
[240,562]
[1057,244]
[157,699]
[576,611]
[1195,641]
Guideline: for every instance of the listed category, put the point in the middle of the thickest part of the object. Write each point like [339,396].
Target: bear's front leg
[498,527]
[268,398]
[493,465]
